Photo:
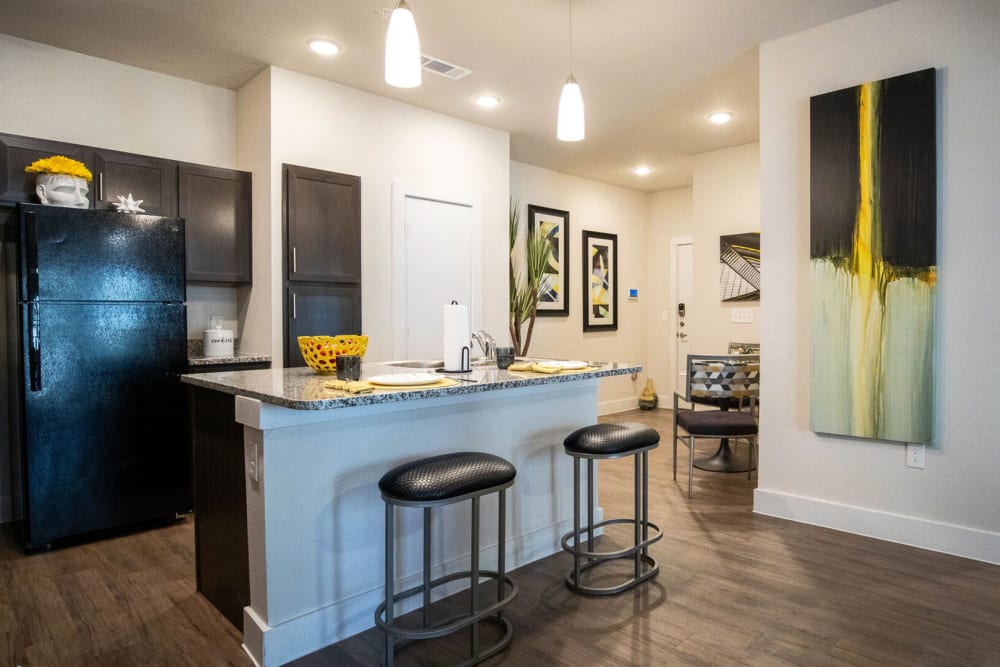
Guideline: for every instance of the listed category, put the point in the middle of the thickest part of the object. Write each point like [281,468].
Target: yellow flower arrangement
[60,164]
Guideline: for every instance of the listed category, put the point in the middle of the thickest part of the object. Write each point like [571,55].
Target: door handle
[295,310]
[295,262]
[100,186]
[681,335]
[34,348]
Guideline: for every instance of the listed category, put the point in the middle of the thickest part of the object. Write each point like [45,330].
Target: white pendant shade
[570,124]
[402,49]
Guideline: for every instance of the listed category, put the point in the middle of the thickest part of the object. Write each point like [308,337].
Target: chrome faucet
[487,343]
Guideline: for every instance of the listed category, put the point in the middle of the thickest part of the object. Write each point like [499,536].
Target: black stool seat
[446,476]
[611,439]
[717,423]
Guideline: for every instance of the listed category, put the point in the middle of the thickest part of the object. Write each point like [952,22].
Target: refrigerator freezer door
[104,438]
[82,255]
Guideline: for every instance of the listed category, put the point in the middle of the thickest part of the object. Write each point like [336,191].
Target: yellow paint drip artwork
[872,257]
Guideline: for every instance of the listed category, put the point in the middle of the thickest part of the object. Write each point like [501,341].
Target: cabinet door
[16,153]
[215,204]
[150,179]
[323,225]
[319,311]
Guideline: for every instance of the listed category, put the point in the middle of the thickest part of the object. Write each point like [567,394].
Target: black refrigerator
[101,339]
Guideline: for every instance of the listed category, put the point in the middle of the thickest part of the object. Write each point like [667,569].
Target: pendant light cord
[571,37]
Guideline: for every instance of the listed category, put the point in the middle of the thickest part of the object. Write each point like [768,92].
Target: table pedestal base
[724,460]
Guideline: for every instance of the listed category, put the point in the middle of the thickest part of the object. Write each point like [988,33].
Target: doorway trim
[675,241]
[400,192]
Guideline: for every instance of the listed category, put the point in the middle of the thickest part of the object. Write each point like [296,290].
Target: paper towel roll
[457,338]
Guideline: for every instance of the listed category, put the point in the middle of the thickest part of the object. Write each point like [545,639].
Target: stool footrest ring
[609,555]
[463,620]
[595,558]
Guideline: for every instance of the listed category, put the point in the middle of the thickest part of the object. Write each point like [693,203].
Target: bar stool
[611,441]
[433,482]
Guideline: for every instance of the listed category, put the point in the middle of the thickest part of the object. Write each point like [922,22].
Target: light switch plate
[742,315]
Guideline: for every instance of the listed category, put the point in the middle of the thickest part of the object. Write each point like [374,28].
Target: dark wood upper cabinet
[153,180]
[216,205]
[319,311]
[16,153]
[323,225]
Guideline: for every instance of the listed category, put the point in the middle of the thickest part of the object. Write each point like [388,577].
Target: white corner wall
[863,486]
[324,125]
[596,207]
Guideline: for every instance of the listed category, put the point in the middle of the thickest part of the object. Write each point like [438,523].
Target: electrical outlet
[915,456]
[253,464]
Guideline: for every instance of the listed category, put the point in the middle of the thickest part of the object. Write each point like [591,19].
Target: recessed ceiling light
[642,170]
[720,117]
[487,101]
[324,46]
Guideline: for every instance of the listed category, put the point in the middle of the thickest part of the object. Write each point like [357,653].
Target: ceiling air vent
[443,68]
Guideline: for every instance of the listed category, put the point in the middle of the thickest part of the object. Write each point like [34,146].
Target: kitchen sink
[434,363]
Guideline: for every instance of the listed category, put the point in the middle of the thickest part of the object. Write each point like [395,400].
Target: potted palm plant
[525,283]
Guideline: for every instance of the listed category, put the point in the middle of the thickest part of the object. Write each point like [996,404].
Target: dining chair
[726,380]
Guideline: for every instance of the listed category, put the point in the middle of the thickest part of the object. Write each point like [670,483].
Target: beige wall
[62,95]
[323,125]
[726,201]
[861,485]
[598,207]
[670,218]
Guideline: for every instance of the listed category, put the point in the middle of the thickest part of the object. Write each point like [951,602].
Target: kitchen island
[312,456]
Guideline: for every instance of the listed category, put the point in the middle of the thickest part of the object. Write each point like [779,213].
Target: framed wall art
[872,258]
[554,226]
[600,281]
[739,267]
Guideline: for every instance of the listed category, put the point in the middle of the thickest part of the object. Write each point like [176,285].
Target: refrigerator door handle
[34,347]
[31,257]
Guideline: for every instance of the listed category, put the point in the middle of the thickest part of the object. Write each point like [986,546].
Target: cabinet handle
[294,260]
[100,186]
[295,310]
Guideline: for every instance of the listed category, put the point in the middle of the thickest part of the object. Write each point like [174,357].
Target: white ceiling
[650,70]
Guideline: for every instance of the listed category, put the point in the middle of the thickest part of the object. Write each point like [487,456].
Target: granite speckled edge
[302,389]
[238,358]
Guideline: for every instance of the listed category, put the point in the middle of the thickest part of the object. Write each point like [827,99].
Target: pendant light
[570,121]
[402,48]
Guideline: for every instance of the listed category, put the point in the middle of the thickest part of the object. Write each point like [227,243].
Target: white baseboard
[269,646]
[947,538]
[617,405]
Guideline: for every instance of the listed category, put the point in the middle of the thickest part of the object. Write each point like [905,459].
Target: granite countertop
[238,358]
[302,389]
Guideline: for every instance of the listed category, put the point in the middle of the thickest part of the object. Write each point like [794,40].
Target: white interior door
[438,243]
[684,281]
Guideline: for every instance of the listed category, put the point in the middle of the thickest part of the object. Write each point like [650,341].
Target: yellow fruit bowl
[321,352]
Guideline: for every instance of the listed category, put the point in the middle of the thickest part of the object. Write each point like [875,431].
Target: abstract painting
[873,246]
[739,267]
[600,281]
[554,226]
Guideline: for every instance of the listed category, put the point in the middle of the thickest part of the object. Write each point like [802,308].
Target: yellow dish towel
[350,387]
[365,387]
[545,368]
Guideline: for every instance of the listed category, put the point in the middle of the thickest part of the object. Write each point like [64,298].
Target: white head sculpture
[62,190]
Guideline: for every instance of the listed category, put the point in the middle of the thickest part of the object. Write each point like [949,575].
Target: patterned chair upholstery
[724,380]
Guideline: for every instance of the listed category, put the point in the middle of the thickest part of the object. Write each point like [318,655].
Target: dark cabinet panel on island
[153,180]
[16,153]
[323,225]
[319,311]
[216,203]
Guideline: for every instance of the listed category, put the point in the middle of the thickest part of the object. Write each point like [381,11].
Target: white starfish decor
[129,205]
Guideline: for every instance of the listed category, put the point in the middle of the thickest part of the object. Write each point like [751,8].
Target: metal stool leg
[637,501]
[576,518]
[389,574]
[501,548]
[474,584]
[690,464]
[590,504]
[427,567]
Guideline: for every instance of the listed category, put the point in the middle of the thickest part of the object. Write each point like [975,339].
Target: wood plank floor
[734,589]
